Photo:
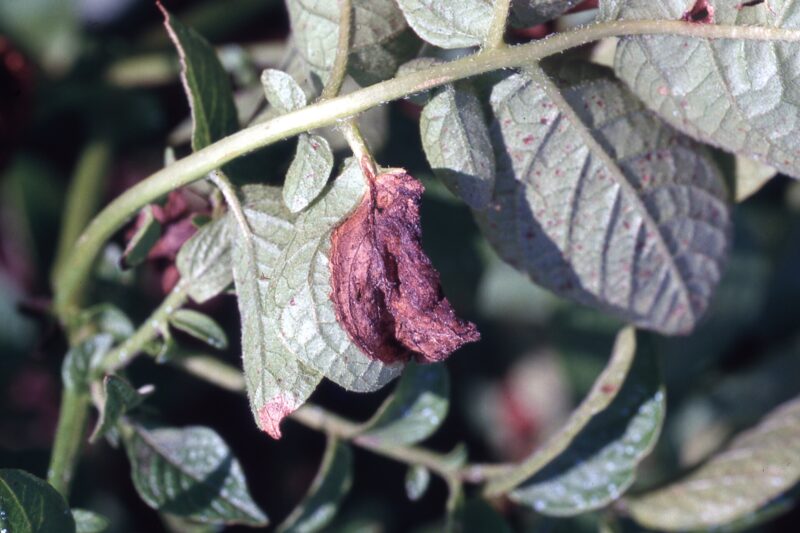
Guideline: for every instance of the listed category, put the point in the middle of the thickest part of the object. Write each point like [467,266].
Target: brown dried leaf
[385,290]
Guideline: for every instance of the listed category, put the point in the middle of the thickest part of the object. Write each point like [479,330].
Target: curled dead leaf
[386,292]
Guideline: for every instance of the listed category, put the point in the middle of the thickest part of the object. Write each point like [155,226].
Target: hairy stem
[327,112]
[73,417]
[497,30]
[358,144]
[339,70]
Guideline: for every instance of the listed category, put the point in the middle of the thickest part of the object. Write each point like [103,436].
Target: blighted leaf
[282,91]
[532,12]
[385,290]
[598,200]
[329,487]
[417,480]
[83,359]
[449,23]
[89,522]
[30,505]
[750,177]
[204,261]
[189,472]
[593,459]
[206,83]
[758,466]
[456,141]
[414,411]
[148,231]
[120,398]
[199,326]
[740,95]
[308,173]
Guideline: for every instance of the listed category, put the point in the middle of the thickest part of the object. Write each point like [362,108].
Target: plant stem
[358,145]
[327,112]
[339,69]
[497,30]
[72,420]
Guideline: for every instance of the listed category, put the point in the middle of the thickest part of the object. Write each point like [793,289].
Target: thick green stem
[70,432]
[327,112]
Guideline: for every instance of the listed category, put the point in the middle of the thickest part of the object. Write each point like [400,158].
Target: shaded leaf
[414,411]
[449,23]
[308,173]
[533,12]
[199,326]
[120,398]
[206,83]
[30,505]
[593,459]
[282,91]
[597,200]
[456,141]
[417,480]
[204,261]
[739,95]
[750,177]
[189,472]
[330,486]
[89,522]
[108,318]
[147,234]
[757,467]
[83,359]
[476,516]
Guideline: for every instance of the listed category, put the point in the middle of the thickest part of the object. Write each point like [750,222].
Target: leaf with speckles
[593,459]
[415,410]
[757,467]
[30,505]
[456,141]
[199,326]
[308,173]
[330,486]
[600,201]
[189,472]
[743,96]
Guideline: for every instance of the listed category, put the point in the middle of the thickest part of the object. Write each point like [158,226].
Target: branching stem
[497,30]
[339,69]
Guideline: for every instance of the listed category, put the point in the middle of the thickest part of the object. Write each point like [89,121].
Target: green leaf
[282,91]
[417,480]
[120,398]
[204,261]
[199,326]
[190,472]
[143,240]
[378,45]
[83,359]
[477,516]
[750,177]
[330,486]
[89,522]
[29,505]
[108,318]
[456,141]
[592,460]
[308,173]
[206,84]
[739,95]
[449,23]
[532,12]
[757,467]
[599,201]
[414,411]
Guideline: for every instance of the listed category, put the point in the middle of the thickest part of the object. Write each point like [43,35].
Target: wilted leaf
[739,95]
[29,505]
[329,487]
[282,91]
[598,200]
[417,480]
[204,261]
[147,234]
[205,81]
[83,359]
[414,411]
[750,177]
[758,466]
[199,326]
[308,173]
[375,253]
[120,398]
[456,140]
[593,459]
[190,472]
[89,522]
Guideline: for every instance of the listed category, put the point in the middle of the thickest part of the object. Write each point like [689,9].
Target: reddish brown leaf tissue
[385,290]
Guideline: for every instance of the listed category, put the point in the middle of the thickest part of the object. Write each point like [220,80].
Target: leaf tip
[271,414]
